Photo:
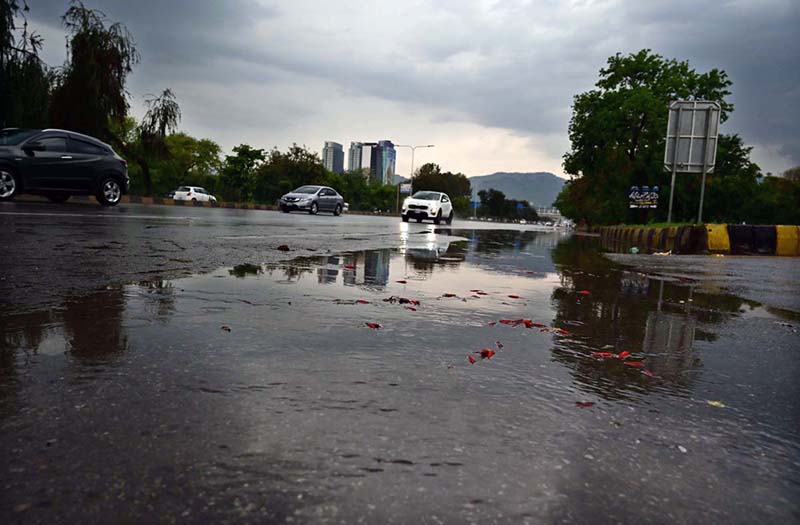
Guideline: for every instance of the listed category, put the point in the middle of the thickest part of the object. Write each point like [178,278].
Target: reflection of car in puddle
[434,248]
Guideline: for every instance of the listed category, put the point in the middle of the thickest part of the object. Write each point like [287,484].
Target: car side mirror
[33,146]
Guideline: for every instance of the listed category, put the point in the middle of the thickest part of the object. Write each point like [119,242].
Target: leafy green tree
[90,90]
[191,161]
[283,172]
[25,81]
[495,204]
[617,131]
[238,176]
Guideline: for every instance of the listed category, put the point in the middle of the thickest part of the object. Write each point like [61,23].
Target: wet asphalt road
[171,365]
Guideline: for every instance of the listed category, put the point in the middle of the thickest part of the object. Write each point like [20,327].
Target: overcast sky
[490,83]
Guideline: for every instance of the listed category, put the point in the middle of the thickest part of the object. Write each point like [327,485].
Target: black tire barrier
[766,239]
[743,239]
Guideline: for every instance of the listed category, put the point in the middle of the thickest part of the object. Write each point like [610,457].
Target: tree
[792,174]
[237,178]
[495,204]
[25,81]
[617,131]
[90,95]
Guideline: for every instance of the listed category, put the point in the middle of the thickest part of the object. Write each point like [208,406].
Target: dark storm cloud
[513,65]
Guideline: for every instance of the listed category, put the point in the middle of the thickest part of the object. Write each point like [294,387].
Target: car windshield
[12,137]
[306,189]
[426,196]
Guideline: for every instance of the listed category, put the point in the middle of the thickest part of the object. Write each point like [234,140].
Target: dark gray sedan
[312,199]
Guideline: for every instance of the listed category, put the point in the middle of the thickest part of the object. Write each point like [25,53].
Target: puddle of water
[297,396]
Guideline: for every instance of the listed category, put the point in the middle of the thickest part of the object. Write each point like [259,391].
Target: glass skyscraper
[333,157]
[382,162]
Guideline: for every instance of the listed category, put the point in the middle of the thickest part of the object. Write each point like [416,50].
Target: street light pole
[413,149]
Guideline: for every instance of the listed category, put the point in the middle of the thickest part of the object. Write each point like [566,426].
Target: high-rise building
[355,157]
[333,157]
[382,162]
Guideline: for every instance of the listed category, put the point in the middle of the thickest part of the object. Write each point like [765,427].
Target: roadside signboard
[405,188]
[694,126]
[691,146]
[643,197]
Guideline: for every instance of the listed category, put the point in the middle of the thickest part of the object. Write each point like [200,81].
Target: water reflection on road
[298,409]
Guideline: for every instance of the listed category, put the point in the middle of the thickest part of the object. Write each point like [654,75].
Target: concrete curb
[162,201]
[727,239]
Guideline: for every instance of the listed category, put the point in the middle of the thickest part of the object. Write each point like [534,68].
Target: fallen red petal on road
[648,373]
[507,321]
[512,296]
[561,331]
[584,404]
[623,355]
[544,330]
[362,301]
[349,267]
[411,308]
[476,291]
[584,292]
[374,326]
[449,295]
[481,293]
[528,323]
[471,359]
[491,323]
[486,353]
[402,282]
[602,355]
[539,325]
[635,364]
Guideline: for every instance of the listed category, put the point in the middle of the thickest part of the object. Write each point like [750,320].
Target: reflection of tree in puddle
[629,311]
[243,270]
[93,325]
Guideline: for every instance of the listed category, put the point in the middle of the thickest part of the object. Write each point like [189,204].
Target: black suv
[57,163]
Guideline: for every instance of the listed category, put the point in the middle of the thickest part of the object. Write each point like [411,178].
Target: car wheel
[194,200]
[110,192]
[438,218]
[314,209]
[58,197]
[404,217]
[284,209]
[450,218]
[9,185]
[338,210]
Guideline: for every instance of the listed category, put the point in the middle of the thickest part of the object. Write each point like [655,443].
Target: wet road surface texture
[245,384]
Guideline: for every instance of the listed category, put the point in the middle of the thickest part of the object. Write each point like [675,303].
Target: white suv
[193,193]
[428,205]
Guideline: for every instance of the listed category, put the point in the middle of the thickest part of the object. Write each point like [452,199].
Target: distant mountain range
[540,188]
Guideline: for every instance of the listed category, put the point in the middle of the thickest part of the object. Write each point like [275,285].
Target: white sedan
[193,193]
[428,205]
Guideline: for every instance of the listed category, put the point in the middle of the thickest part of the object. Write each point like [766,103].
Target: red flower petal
[374,326]
[362,301]
[584,404]
[648,373]
[584,292]
[349,267]
[512,296]
[471,359]
[561,331]
[491,323]
[623,355]
[449,295]
[634,364]
[486,353]
[401,282]
[411,308]
[603,355]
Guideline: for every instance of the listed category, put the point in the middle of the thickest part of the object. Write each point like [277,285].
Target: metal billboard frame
[691,142]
